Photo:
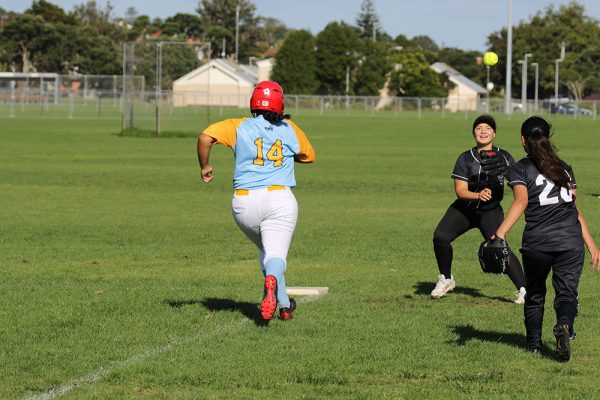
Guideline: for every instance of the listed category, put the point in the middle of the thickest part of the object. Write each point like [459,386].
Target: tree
[403,42]
[295,64]
[45,38]
[373,69]
[92,15]
[186,25]
[337,49]
[219,21]
[368,21]
[141,25]
[464,62]
[413,77]
[96,53]
[273,31]
[425,43]
[131,13]
[177,60]
[22,36]
[542,36]
[51,13]
[580,72]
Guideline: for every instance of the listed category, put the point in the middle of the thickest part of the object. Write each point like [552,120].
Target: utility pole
[237,30]
[524,82]
[508,101]
[535,96]
[557,61]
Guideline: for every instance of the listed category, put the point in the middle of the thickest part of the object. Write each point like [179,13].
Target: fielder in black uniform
[554,235]
[479,194]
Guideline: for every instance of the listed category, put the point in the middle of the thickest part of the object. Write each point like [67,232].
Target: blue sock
[276,267]
[261,260]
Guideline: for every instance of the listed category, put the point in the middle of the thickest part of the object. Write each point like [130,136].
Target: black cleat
[286,313]
[563,342]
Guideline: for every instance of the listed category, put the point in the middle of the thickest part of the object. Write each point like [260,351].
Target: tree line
[344,58]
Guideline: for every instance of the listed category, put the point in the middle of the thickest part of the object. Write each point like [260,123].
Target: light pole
[535,95]
[557,61]
[488,88]
[237,30]
[524,82]
[508,101]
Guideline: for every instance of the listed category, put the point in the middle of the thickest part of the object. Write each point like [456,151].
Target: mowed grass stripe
[93,377]
[100,233]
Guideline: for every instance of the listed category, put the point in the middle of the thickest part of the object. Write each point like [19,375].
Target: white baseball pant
[268,218]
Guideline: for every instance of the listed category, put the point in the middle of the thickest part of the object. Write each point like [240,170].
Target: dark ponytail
[270,116]
[536,132]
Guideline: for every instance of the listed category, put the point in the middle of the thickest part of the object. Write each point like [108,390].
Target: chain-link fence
[97,99]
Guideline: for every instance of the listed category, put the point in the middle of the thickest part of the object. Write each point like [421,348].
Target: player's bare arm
[204,146]
[462,192]
[588,239]
[516,210]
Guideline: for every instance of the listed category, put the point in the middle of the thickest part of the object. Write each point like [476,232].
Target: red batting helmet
[267,96]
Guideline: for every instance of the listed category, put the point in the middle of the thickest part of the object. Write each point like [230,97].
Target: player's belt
[246,192]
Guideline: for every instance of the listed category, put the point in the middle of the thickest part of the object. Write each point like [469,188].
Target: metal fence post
[71,104]
[321,107]
[12,99]
[443,108]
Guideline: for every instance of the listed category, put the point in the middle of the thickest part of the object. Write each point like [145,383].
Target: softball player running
[479,194]
[263,206]
[554,235]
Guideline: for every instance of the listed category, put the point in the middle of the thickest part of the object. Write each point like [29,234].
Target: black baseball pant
[460,219]
[566,269]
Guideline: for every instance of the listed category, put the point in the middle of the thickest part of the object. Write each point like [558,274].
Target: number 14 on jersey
[274,154]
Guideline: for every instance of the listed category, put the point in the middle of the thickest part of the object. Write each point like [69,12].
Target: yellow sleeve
[307,153]
[225,132]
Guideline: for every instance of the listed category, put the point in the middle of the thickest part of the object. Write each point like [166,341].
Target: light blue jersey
[264,154]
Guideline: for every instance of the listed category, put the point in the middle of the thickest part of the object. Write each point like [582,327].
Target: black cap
[484,119]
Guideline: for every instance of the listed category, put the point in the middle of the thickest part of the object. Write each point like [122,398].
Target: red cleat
[288,313]
[269,303]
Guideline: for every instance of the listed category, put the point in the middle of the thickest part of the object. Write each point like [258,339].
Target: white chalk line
[102,372]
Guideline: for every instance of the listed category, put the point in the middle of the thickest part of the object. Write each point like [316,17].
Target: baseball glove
[493,255]
[492,163]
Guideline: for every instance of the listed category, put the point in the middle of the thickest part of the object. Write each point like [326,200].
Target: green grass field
[123,276]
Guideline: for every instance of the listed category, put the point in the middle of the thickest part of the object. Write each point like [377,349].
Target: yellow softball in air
[490,58]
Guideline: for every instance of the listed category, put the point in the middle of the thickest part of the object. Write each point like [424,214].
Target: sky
[464,24]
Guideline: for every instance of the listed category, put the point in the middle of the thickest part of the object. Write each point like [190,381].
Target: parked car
[570,109]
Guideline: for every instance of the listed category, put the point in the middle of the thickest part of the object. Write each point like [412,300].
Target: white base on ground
[306,291]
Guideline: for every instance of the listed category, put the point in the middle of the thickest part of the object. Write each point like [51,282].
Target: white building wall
[211,87]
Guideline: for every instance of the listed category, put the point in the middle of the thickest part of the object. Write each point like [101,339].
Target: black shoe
[533,350]
[572,334]
[286,313]
[563,342]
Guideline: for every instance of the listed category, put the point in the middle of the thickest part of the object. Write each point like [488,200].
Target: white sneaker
[520,296]
[443,286]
